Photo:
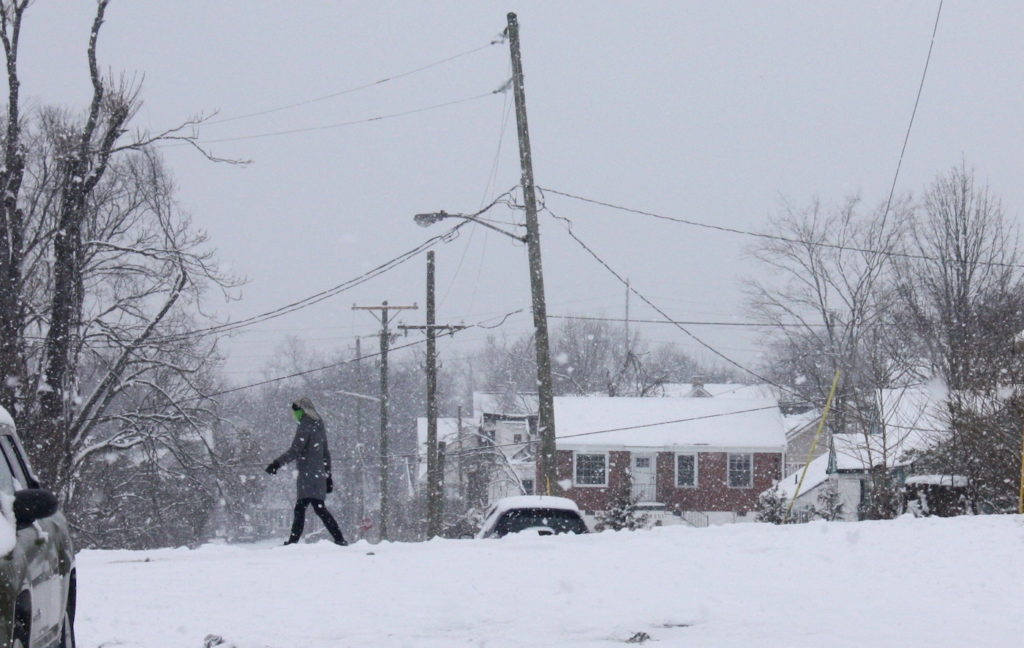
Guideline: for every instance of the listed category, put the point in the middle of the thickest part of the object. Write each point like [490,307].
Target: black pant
[299,520]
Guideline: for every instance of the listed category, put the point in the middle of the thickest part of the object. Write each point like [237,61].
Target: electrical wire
[683,322]
[305,302]
[913,114]
[492,178]
[632,288]
[372,84]
[763,235]
[639,426]
[310,129]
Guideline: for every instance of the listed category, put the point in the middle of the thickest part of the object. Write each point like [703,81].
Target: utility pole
[435,471]
[628,288]
[385,341]
[545,396]
[359,430]
[458,436]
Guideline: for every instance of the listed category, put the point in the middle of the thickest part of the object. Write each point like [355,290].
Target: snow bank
[910,582]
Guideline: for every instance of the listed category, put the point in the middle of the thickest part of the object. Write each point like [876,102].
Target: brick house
[702,460]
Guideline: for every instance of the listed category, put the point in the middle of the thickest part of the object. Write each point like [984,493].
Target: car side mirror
[33,504]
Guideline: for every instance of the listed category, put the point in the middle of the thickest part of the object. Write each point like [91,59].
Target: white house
[909,420]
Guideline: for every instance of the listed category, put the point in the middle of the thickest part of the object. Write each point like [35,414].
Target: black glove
[330,484]
[273,467]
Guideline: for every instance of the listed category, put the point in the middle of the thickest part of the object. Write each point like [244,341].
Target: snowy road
[908,583]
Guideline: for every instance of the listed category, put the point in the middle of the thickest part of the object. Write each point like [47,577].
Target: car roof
[534,502]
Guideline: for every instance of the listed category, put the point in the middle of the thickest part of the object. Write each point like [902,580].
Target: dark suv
[37,562]
[532,514]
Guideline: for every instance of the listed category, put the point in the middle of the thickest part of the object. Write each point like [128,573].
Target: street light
[545,395]
[429,218]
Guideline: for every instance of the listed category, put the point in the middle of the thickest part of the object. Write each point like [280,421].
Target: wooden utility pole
[628,289]
[545,395]
[385,341]
[435,471]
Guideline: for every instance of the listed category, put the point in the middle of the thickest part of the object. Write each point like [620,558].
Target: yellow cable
[814,444]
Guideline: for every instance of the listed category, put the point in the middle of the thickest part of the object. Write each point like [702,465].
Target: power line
[913,114]
[683,322]
[640,426]
[492,178]
[307,372]
[310,129]
[372,84]
[698,340]
[305,302]
[632,288]
[763,235]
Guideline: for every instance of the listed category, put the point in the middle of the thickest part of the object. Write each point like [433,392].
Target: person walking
[313,462]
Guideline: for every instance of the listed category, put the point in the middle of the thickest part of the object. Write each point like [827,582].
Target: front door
[644,478]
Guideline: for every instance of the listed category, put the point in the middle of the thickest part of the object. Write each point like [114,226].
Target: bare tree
[99,271]
[12,312]
[827,301]
[962,301]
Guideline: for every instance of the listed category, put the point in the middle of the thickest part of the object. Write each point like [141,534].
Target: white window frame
[696,469]
[728,469]
[607,469]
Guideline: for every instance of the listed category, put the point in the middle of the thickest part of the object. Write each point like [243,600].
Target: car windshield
[558,520]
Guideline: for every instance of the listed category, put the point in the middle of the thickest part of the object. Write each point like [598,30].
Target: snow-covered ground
[909,582]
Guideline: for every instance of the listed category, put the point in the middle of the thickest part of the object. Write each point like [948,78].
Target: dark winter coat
[310,454]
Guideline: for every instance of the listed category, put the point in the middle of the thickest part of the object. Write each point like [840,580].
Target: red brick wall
[711,494]
[592,498]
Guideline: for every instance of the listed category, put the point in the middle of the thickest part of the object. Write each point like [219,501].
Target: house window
[527,487]
[643,462]
[517,438]
[591,470]
[741,470]
[686,470]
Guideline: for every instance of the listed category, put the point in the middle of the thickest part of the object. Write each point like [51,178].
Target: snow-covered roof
[957,481]
[447,429]
[534,501]
[817,473]
[720,390]
[668,422]
[912,419]
[6,418]
[508,403]
[796,422]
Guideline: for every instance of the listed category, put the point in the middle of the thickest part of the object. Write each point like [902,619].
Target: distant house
[447,436]
[698,388]
[703,459]
[800,432]
[493,456]
[907,421]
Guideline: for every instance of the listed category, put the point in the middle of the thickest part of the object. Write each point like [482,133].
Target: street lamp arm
[424,220]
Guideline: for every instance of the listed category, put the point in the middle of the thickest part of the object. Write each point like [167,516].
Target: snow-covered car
[37,561]
[533,514]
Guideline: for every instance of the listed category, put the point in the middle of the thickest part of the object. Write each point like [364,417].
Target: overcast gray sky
[710,111]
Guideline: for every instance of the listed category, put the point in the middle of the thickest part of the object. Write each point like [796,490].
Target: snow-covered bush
[771,506]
